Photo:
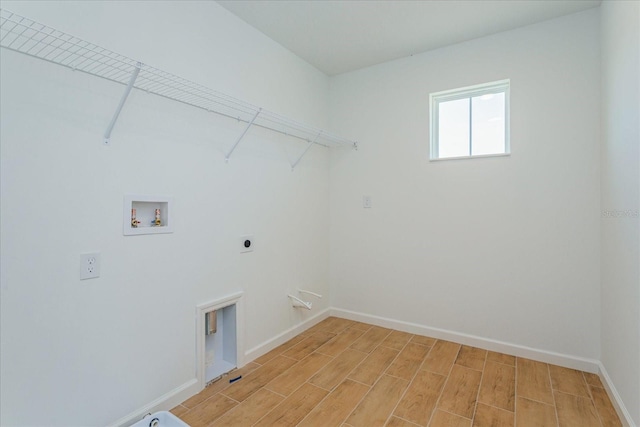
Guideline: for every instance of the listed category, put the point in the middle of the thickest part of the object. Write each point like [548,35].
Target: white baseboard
[616,400]
[568,361]
[574,362]
[285,336]
[173,398]
[164,403]
[190,388]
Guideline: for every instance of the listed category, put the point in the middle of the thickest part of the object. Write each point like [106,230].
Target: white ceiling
[341,36]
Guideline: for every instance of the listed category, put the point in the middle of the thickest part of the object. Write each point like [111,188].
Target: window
[470,122]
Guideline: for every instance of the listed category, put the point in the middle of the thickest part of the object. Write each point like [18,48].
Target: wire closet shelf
[29,37]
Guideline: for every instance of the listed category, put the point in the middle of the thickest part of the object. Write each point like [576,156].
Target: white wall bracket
[309,145]
[226,158]
[125,95]
[298,303]
[302,291]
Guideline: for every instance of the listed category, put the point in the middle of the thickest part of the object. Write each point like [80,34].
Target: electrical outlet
[89,266]
[366,201]
[246,243]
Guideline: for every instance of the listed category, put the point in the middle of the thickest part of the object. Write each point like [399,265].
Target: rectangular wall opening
[220,342]
[219,337]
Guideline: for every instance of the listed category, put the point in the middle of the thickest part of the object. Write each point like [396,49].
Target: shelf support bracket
[302,291]
[297,302]
[226,158]
[125,95]
[309,145]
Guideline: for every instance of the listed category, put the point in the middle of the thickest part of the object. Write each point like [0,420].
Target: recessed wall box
[144,214]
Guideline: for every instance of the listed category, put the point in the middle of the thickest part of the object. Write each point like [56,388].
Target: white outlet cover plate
[89,265]
[252,244]
[366,201]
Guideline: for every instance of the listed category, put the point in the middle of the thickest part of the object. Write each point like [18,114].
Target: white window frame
[501,86]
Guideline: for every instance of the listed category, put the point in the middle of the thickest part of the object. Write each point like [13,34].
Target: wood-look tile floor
[346,373]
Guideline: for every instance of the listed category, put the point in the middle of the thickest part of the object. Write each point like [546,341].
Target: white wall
[503,248]
[88,353]
[621,199]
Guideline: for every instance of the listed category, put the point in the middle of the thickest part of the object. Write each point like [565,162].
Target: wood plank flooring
[346,373]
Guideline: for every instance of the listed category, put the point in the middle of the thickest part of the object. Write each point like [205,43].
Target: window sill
[481,156]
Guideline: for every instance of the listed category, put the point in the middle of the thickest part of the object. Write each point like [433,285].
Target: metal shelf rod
[242,135]
[125,95]
[309,145]
[23,35]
